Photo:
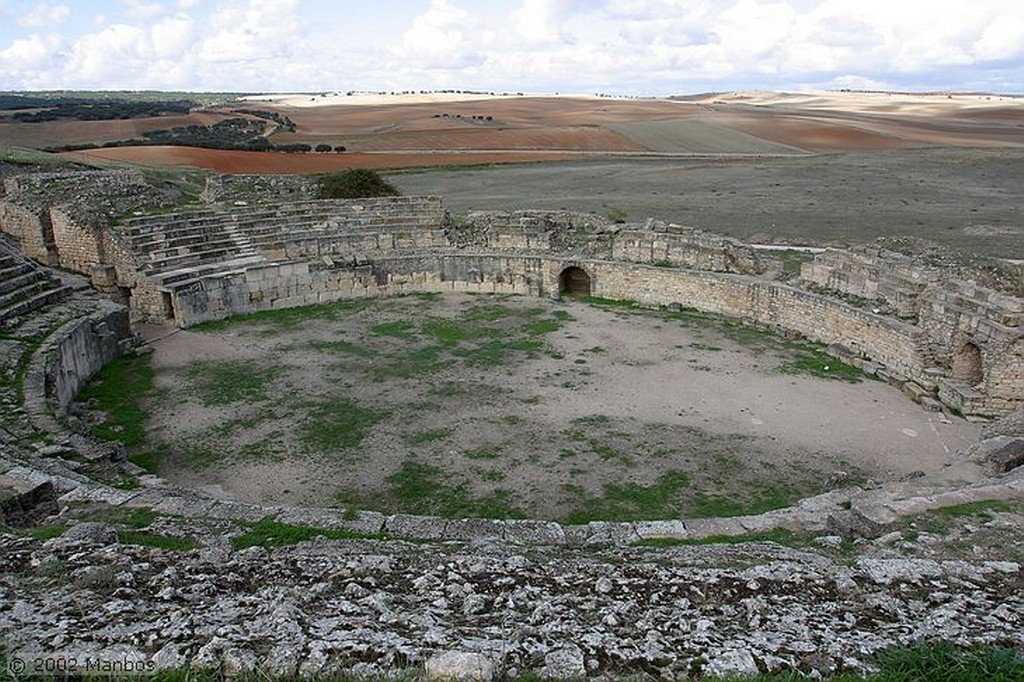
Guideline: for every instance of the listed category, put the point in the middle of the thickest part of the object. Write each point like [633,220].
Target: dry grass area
[509,406]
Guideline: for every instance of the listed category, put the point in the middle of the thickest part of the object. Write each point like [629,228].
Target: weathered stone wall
[31,228]
[675,245]
[589,236]
[258,188]
[959,339]
[288,285]
[874,274]
[80,349]
[534,231]
[85,198]
[78,243]
[900,346]
[976,336]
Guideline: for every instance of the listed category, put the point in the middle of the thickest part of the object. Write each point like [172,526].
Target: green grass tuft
[635,502]
[421,488]
[226,382]
[339,424]
[611,302]
[118,390]
[344,347]
[175,544]
[431,436]
[270,533]
[399,329]
[813,360]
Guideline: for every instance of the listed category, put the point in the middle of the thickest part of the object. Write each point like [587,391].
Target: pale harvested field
[496,406]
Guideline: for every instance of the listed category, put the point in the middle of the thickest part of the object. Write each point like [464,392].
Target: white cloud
[106,59]
[29,52]
[29,61]
[645,46]
[535,20]
[1003,38]
[172,36]
[142,9]
[853,82]
[43,15]
[437,36]
[250,30]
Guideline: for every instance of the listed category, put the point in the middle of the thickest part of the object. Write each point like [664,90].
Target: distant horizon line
[509,93]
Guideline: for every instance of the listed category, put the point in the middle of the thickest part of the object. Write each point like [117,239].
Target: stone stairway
[177,249]
[24,286]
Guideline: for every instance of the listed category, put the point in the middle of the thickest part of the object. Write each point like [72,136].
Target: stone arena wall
[71,356]
[77,352]
[898,345]
[30,228]
[955,340]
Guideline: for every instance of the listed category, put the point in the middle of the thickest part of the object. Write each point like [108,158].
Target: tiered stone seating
[182,247]
[179,248]
[24,286]
[286,230]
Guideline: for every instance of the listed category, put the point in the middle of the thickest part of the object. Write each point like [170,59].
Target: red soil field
[240,162]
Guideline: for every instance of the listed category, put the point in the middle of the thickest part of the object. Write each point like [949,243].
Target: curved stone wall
[216,262]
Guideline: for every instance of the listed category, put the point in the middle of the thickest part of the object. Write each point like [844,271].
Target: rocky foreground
[487,609]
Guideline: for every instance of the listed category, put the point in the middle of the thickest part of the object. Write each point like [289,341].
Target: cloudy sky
[647,47]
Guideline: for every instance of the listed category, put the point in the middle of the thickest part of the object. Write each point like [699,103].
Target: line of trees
[89,110]
[239,133]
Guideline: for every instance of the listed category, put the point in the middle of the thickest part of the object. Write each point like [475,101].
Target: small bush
[354,184]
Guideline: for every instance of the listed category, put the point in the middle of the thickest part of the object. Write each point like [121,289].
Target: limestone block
[418,527]
[460,666]
[661,529]
[601,533]
[997,455]
[24,503]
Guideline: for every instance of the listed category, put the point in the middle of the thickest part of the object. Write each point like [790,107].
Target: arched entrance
[967,365]
[574,282]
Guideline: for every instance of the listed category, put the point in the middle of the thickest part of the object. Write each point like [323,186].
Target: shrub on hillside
[354,184]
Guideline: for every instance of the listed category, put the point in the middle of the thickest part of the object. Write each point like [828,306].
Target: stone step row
[175,230]
[168,256]
[187,275]
[295,234]
[218,242]
[211,256]
[200,236]
[137,226]
[27,288]
[40,299]
[16,276]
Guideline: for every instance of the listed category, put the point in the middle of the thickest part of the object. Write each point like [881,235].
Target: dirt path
[467,405]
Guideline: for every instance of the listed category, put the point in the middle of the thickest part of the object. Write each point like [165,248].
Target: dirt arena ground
[511,406]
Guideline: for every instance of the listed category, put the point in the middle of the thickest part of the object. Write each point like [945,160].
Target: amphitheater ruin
[86,255]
